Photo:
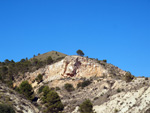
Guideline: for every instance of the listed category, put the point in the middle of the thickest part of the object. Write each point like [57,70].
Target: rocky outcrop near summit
[72,66]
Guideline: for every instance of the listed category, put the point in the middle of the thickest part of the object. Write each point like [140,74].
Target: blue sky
[116,30]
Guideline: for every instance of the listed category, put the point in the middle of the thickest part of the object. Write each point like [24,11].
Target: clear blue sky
[116,30]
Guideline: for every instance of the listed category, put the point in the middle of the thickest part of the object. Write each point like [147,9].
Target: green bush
[6,109]
[49,60]
[105,60]
[52,101]
[84,83]
[39,78]
[26,89]
[41,89]
[86,107]
[57,88]
[118,90]
[69,87]
[128,77]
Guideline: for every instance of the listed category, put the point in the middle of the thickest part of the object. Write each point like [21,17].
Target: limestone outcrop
[72,66]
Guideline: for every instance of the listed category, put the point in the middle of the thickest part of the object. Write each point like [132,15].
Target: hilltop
[54,55]
[77,78]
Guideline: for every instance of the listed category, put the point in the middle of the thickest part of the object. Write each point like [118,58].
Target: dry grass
[54,54]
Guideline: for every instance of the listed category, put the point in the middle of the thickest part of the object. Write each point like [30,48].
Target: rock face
[72,66]
[108,92]
[20,105]
[131,98]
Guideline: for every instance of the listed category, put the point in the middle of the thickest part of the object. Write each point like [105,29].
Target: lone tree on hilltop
[80,52]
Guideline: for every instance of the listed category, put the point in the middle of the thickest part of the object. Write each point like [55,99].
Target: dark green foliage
[52,101]
[22,60]
[39,78]
[96,98]
[86,107]
[128,77]
[6,61]
[41,89]
[69,87]
[104,60]
[4,70]
[57,88]
[49,60]
[26,89]
[0,77]
[118,90]
[80,52]
[6,109]
[84,83]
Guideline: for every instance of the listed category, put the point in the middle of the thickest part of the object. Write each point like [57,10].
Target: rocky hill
[110,89]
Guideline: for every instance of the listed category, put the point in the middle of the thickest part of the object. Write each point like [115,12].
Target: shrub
[128,77]
[39,78]
[86,107]
[57,88]
[6,109]
[96,98]
[84,83]
[118,90]
[26,89]
[49,60]
[105,60]
[51,100]
[116,111]
[69,87]
[41,89]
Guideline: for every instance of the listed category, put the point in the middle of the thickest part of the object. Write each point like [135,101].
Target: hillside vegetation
[54,55]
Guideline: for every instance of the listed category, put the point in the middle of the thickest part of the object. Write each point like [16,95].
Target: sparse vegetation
[10,69]
[39,78]
[84,83]
[6,109]
[69,87]
[86,107]
[128,77]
